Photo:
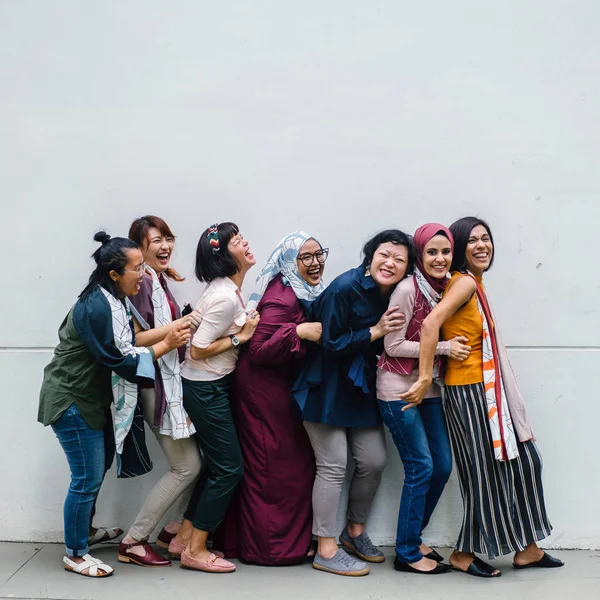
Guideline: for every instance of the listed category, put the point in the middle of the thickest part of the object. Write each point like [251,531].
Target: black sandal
[433,555]
[546,562]
[478,568]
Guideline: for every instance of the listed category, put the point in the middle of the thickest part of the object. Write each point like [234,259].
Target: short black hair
[212,263]
[396,237]
[461,230]
[113,255]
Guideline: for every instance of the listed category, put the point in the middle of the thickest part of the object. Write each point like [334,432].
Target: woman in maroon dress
[273,514]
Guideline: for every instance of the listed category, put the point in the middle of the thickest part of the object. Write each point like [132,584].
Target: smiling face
[239,248]
[128,283]
[479,251]
[158,250]
[437,256]
[309,253]
[389,265]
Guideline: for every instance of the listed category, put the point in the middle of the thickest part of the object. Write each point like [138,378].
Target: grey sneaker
[362,546]
[341,564]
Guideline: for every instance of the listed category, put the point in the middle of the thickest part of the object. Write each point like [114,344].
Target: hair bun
[102,237]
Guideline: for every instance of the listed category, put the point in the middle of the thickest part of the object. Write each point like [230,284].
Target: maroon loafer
[149,559]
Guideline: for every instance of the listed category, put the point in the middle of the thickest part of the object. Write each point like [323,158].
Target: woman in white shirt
[223,258]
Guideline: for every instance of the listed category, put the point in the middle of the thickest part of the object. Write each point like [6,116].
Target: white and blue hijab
[283,260]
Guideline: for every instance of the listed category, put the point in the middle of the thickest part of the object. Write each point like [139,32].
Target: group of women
[255,403]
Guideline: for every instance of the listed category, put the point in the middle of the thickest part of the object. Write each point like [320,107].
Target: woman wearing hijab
[420,435]
[498,463]
[273,508]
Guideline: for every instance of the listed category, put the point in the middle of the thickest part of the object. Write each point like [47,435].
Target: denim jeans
[421,437]
[89,454]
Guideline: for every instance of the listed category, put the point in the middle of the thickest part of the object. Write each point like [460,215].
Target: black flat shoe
[406,568]
[478,568]
[546,562]
[433,555]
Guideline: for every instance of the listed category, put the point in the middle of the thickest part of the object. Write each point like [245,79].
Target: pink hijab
[421,237]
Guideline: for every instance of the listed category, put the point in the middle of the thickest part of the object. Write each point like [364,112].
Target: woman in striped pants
[498,463]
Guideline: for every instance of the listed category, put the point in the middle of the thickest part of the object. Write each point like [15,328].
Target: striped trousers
[504,507]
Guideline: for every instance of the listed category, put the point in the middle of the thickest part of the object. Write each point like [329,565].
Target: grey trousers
[330,445]
[176,485]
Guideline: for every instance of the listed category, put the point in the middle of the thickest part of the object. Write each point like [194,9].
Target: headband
[213,237]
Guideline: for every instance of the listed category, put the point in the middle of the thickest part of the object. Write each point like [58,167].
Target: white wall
[338,117]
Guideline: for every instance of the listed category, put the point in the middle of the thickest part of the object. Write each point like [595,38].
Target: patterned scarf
[502,431]
[283,260]
[175,420]
[125,393]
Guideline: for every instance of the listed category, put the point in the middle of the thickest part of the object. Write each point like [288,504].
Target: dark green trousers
[207,404]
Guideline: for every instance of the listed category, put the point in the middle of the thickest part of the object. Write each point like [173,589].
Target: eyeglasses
[307,258]
[140,270]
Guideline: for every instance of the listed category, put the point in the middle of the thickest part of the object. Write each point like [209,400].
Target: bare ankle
[355,529]
[327,548]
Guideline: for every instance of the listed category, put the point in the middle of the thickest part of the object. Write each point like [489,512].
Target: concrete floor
[35,571]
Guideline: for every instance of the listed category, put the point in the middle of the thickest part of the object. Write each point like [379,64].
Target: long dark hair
[111,256]
[138,232]
[461,230]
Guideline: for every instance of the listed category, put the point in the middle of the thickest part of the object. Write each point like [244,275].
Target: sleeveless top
[466,321]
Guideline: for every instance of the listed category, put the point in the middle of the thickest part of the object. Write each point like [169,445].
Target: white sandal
[104,534]
[94,566]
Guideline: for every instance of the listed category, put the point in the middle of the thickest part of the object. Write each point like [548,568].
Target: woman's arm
[459,293]
[336,314]
[148,337]
[93,322]
[395,343]
[209,339]
[278,338]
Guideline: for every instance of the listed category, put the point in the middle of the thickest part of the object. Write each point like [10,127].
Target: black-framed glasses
[307,258]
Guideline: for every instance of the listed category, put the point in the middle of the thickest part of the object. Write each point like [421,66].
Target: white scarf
[125,393]
[175,422]
[283,260]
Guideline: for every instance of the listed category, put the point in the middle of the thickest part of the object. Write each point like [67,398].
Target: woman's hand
[310,331]
[415,395]
[458,348]
[249,327]
[391,320]
[179,334]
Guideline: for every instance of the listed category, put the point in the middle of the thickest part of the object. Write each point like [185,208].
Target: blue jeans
[421,436]
[89,454]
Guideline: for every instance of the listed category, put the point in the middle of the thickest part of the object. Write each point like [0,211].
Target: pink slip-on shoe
[176,548]
[211,564]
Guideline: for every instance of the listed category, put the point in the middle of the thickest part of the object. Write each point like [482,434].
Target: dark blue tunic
[336,384]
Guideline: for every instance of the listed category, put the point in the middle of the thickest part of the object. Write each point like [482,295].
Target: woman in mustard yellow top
[498,463]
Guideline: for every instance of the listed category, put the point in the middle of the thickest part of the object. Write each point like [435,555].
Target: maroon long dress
[270,520]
